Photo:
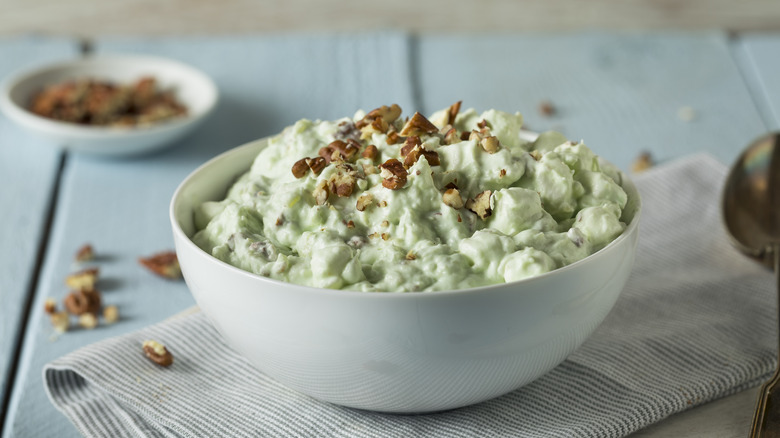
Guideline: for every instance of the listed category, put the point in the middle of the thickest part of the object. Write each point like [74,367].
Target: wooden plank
[28,173]
[620,93]
[759,54]
[196,17]
[121,206]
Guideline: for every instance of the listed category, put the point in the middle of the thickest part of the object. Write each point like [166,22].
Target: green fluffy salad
[384,203]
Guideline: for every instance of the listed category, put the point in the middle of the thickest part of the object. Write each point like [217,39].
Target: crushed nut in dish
[95,102]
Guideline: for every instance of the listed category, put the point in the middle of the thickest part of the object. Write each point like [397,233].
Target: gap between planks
[40,256]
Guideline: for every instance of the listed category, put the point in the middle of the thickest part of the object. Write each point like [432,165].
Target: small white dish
[193,88]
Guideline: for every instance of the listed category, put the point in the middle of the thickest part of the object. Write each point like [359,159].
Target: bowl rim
[23,115]
[179,234]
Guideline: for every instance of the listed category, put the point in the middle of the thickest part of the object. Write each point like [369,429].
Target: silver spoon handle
[766,419]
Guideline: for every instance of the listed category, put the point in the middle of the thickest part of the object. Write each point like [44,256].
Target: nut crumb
[88,321]
[157,353]
[411,255]
[111,314]
[50,306]
[164,264]
[642,163]
[82,280]
[547,109]
[686,114]
[85,253]
[60,321]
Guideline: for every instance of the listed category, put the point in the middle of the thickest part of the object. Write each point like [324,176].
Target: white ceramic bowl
[404,352]
[192,87]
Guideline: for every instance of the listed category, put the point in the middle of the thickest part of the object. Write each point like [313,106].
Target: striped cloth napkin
[683,332]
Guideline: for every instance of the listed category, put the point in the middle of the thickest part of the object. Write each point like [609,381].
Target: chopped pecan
[502,173]
[388,113]
[321,193]
[418,125]
[393,174]
[490,144]
[483,124]
[340,150]
[157,353]
[370,152]
[350,224]
[343,181]
[432,157]
[452,198]
[393,138]
[81,301]
[411,255]
[480,205]
[316,164]
[82,280]
[452,112]
[370,169]
[364,201]
[535,154]
[451,137]
[164,264]
[465,135]
[329,153]
[385,236]
[300,168]
[377,126]
[410,143]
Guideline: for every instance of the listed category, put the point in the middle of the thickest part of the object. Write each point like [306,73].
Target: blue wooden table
[670,94]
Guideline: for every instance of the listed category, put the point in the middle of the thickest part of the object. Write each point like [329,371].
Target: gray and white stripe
[684,332]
